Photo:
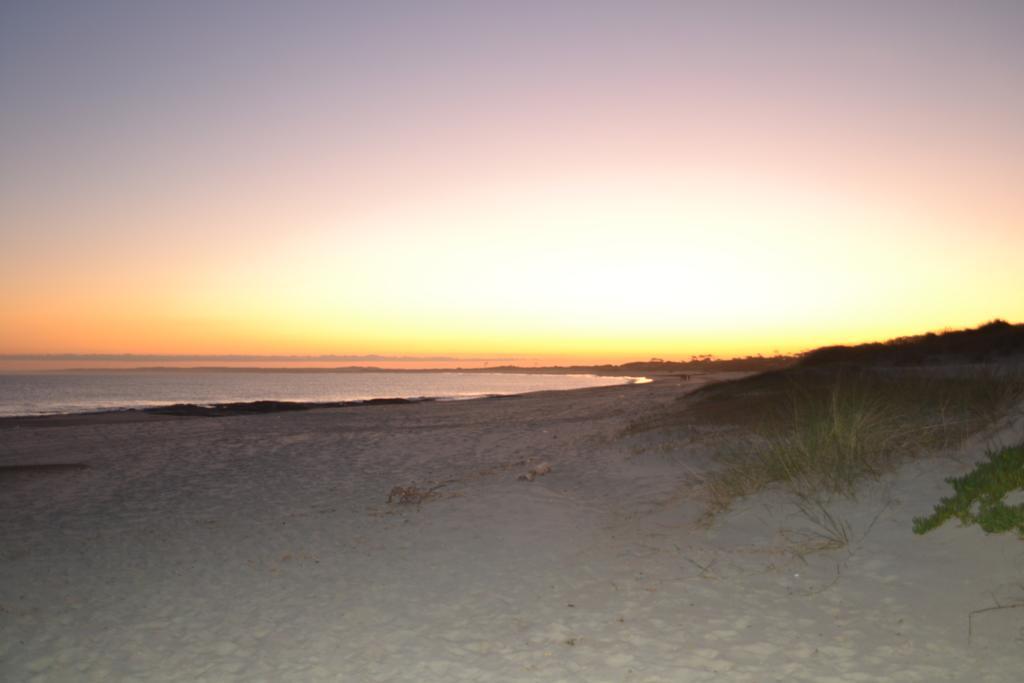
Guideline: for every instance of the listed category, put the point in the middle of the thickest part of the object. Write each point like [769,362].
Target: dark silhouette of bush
[994,341]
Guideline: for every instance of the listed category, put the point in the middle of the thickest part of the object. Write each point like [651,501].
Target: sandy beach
[263,548]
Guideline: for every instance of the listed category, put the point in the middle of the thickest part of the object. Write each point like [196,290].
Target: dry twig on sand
[994,608]
[536,471]
[412,495]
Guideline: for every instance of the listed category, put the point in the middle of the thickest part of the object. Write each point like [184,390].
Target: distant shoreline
[631,369]
[178,410]
[603,372]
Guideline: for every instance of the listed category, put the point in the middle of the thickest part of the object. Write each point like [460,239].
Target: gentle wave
[68,393]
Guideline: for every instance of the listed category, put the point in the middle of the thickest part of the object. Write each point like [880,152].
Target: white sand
[261,549]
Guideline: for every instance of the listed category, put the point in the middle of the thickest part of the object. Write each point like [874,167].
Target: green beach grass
[821,431]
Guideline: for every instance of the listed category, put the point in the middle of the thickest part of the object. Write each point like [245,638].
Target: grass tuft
[822,431]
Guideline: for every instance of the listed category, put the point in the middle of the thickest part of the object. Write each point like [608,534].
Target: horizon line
[232,357]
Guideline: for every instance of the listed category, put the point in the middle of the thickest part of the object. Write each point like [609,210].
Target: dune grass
[822,431]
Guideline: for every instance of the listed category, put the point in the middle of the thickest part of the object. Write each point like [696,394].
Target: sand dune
[262,548]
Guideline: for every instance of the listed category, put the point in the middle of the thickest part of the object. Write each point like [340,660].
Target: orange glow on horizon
[435,188]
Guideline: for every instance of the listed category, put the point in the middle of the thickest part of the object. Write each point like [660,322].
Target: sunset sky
[574,180]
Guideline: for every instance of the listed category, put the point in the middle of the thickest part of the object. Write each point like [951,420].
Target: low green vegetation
[980,496]
[841,414]
[820,431]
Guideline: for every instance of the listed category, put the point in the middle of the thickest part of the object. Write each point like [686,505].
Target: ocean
[53,393]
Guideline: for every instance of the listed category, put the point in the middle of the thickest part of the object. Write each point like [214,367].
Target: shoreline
[114,414]
[186,410]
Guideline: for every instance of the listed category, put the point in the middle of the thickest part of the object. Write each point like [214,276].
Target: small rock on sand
[536,471]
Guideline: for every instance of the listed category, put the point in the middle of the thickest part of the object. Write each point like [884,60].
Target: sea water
[48,393]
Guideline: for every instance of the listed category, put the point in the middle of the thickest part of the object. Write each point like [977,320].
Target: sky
[589,181]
